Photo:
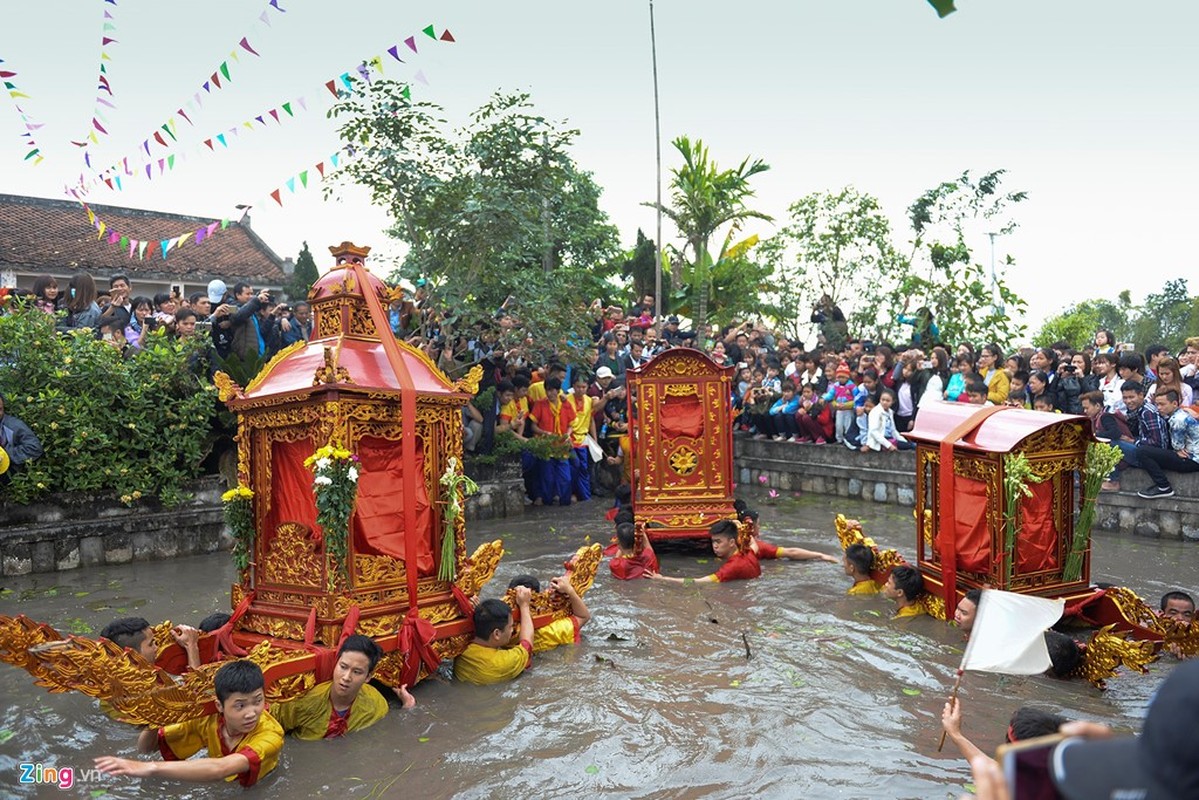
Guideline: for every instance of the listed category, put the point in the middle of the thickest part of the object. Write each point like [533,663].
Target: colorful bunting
[33,152]
[131,245]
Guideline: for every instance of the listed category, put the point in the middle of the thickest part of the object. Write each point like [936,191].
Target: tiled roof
[52,235]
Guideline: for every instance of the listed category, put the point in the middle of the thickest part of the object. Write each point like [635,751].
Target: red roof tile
[43,235]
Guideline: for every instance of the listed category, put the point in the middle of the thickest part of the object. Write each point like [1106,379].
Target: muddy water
[660,699]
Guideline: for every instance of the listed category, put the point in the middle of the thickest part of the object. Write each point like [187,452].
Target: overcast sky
[1091,105]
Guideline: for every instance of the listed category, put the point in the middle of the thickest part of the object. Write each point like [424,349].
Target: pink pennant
[274,113]
[246,44]
[185,116]
[98,126]
[212,227]
[132,246]
[107,41]
[114,237]
[162,165]
[104,102]
[411,42]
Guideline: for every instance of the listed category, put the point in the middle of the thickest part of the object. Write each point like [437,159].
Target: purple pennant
[394,50]
[148,166]
[261,121]
[87,159]
[275,3]
[206,87]
[411,42]
[200,234]
[107,13]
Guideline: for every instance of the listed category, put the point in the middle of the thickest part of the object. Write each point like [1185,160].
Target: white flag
[1008,633]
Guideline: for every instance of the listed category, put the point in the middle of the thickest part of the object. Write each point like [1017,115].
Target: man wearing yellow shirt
[345,704]
[582,427]
[859,560]
[905,586]
[243,741]
[537,388]
[491,657]
[560,631]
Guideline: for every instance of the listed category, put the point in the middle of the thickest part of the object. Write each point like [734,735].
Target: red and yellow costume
[484,665]
[311,716]
[553,418]
[739,566]
[633,567]
[261,746]
[910,611]
[559,632]
[864,588]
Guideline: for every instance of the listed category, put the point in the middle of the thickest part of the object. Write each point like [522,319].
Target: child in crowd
[1017,395]
[863,390]
[491,657]
[840,397]
[882,433]
[1043,403]
[859,561]
[243,740]
[863,420]
[635,555]
[963,364]
[345,704]
[737,565]
[1110,383]
[905,587]
[812,415]
[782,414]
[560,631]
[976,394]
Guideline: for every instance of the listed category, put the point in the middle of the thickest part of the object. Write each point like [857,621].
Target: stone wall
[78,530]
[891,478]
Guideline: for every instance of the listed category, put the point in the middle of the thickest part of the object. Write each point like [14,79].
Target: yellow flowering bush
[335,487]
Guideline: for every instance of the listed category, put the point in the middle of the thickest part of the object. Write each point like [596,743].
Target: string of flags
[169,127]
[138,248]
[120,173]
[33,151]
[107,33]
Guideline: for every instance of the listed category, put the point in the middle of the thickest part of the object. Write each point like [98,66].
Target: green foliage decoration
[1101,459]
[131,428]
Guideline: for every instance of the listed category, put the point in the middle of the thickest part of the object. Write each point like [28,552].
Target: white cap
[604,372]
[216,290]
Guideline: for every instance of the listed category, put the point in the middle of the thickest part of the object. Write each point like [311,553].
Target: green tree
[1167,317]
[304,275]
[494,210]
[942,274]
[706,199]
[639,267]
[735,279]
[1078,323]
[836,245]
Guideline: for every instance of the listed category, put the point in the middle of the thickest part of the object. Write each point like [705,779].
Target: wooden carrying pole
[953,695]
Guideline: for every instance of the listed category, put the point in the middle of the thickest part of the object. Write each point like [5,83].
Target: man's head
[493,623]
[724,538]
[626,536]
[240,695]
[242,292]
[624,515]
[1133,395]
[604,376]
[213,621]
[356,661]
[1029,723]
[1178,606]
[859,560]
[528,581]
[1064,655]
[967,608]
[1155,353]
[1131,366]
[199,302]
[552,387]
[1092,404]
[185,323]
[977,392]
[302,312]
[119,283]
[520,386]
[1166,402]
[134,633]
[904,583]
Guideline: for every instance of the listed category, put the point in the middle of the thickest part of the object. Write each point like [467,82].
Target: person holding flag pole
[1008,637]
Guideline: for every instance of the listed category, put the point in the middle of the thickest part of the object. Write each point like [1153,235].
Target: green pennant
[406,93]
[171,161]
[124,242]
[8,85]
[304,178]
[225,69]
[224,224]
[287,107]
[430,32]
[102,69]
[31,154]
[168,131]
[944,7]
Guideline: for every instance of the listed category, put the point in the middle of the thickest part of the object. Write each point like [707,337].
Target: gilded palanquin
[682,444]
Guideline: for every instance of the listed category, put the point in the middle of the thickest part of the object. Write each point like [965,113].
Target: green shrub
[134,428]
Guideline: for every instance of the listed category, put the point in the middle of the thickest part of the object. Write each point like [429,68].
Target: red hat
[842,369]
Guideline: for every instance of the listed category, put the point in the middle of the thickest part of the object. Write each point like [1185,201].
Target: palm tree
[706,198]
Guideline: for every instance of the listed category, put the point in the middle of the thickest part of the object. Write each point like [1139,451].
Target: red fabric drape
[378,523]
[1037,546]
[973,539]
[291,488]
[682,416]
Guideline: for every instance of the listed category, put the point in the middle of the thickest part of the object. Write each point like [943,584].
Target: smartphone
[1026,767]
[1127,347]
[926,365]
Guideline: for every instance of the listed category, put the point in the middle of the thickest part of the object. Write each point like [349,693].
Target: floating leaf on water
[734,684]
[797,683]
[970,787]
[5,592]
[82,594]
[701,561]
[911,692]
[873,613]
[587,538]
[423,739]
[592,769]
[957,651]
[5,736]
[98,792]
[52,592]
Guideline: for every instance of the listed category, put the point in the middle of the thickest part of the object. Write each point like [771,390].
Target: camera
[926,365]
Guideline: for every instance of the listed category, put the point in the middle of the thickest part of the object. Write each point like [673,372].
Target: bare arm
[199,769]
[657,576]
[800,554]
[523,597]
[578,608]
[951,721]
[147,741]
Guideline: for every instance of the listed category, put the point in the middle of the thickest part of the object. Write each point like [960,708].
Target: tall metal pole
[653,39]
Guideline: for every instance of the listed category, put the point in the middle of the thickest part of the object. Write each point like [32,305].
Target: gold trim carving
[480,567]
[292,558]
[681,390]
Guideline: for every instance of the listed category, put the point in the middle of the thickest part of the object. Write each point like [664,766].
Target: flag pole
[953,695]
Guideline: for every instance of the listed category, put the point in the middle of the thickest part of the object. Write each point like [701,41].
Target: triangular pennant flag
[216,80]
[179,242]
[286,107]
[96,124]
[133,243]
[944,7]
[303,104]
[345,78]
[321,169]
[248,124]
[141,250]
[304,179]
[91,215]
[118,182]
[200,234]
[165,244]
[234,130]
[220,137]
[333,160]
[420,77]
[171,161]
[432,34]
[394,50]
[448,37]
[264,19]
[275,194]
[411,42]
[104,57]
[331,87]
[212,226]
[291,185]
[225,70]
[31,154]
[224,224]
[101,227]
[169,133]
[377,63]
[246,44]
[274,112]
[170,127]
[104,102]
[158,138]
[124,241]
[103,69]
[206,87]
[108,26]
[107,14]
[233,55]
[148,168]
[181,113]
[162,165]
[105,41]
[114,237]
[406,93]
[275,3]
[146,145]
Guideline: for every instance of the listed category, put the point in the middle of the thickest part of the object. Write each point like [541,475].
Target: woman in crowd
[1169,376]
[963,364]
[45,294]
[884,362]
[1087,382]
[82,310]
[140,323]
[1038,386]
[937,378]
[989,360]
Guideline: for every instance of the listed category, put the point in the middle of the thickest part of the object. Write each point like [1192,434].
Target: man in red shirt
[738,564]
[553,417]
[634,557]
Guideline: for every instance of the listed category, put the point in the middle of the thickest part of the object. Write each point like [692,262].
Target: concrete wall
[891,478]
[72,531]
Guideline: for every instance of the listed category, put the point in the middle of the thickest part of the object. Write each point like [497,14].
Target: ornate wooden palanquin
[961,512]
[342,388]
[680,408]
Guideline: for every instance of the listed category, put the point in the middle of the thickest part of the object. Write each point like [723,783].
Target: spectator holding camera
[140,324]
